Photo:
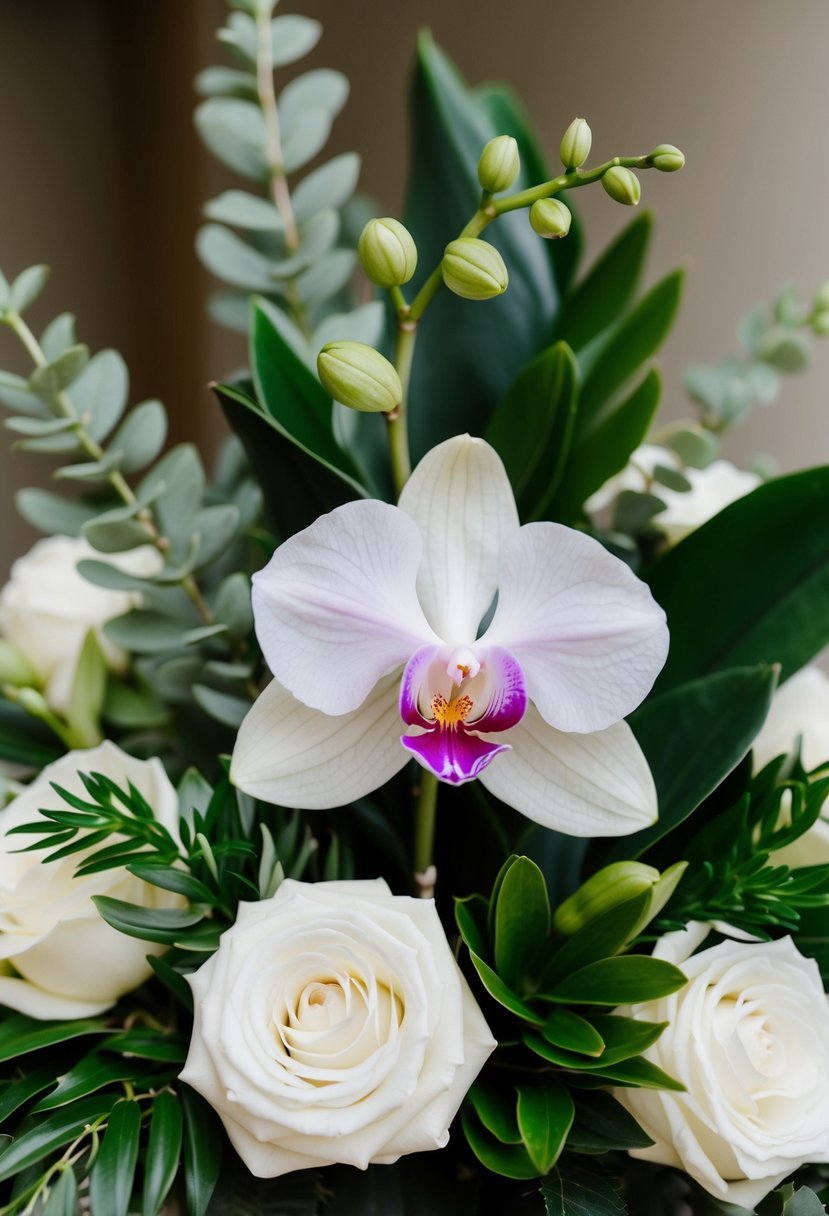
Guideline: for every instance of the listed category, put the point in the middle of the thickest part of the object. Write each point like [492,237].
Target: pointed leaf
[163,1152]
[606,290]
[545,1116]
[624,980]
[522,922]
[110,1182]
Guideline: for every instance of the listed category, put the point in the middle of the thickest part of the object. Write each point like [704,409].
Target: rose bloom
[748,1036]
[47,608]
[712,490]
[333,1025]
[58,957]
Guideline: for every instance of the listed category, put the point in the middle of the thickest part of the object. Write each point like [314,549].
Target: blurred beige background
[102,175]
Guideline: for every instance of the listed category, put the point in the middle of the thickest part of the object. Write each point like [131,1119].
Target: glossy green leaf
[499,991]
[50,1134]
[495,1106]
[637,1072]
[18,1090]
[522,922]
[87,1076]
[25,741]
[603,1124]
[508,1160]
[19,1034]
[757,576]
[63,1195]
[110,1182]
[203,1141]
[532,425]
[693,736]
[601,938]
[471,918]
[149,924]
[148,1044]
[624,980]
[603,450]
[625,1037]
[545,1116]
[606,290]
[457,384]
[163,1152]
[575,1189]
[632,343]
[568,1030]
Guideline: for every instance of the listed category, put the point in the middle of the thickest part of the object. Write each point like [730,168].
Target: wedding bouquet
[481,811]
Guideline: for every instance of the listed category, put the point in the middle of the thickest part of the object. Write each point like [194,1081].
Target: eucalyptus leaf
[244,210]
[224,708]
[230,309]
[141,436]
[232,606]
[234,131]
[331,185]
[327,277]
[27,287]
[39,426]
[16,395]
[240,35]
[93,470]
[181,474]
[51,379]
[99,394]
[292,37]
[115,535]
[319,89]
[305,138]
[145,631]
[230,258]
[227,82]
[363,324]
[216,528]
[58,336]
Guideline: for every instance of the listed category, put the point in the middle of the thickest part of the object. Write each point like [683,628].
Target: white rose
[47,608]
[712,489]
[800,708]
[748,1036]
[333,1025]
[59,958]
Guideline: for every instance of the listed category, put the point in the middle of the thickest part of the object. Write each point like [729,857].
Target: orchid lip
[452,713]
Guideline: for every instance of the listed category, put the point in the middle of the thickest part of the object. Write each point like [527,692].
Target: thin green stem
[95,452]
[565,181]
[424,844]
[401,464]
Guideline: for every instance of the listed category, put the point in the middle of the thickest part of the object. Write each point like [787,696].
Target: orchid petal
[589,636]
[336,607]
[294,756]
[595,784]
[460,498]
[414,674]
[455,756]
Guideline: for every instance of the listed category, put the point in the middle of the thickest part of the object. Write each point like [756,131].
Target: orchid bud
[360,377]
[666,158]
[474,269]
[550,218]
[604,890]
[622,185]
[499,164]
[575,144]
[387,252]
[14,667]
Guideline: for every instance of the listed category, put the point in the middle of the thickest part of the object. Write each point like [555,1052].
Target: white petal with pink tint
[336,607]
[461,500]
[584,785]
[587,632]
[294,756]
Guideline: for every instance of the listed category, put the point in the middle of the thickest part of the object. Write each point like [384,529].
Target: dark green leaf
[566,1029]
[604,449]
[602,1124]
[581,1190]
[172,878]
[470,915]
[545,1116]
[19,1034]
[163,1152]
[619,981]
[63,1196]
[148,924]
[51,1134]
[17,1091]
[25,741]
[634,341]
[636,1072]
[522,922]
[625,1037]
[508,1160]
[756,576]
[693,737]
[495,1107]
[202,1151]
[110,1182]
[86,1077]
[148,1044]
[531,427]
[605,292]
[601,938]
[499,991]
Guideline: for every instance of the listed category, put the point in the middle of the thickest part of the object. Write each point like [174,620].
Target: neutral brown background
[102,175]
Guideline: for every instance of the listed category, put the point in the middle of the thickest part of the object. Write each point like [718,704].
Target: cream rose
[748,1036]
[712,489]
[47,608]
[800,708]
[333,1025]
[58,957]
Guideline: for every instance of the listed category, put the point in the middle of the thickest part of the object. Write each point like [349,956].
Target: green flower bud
[387,252]
[15,668]
[820,323]
[474,269]
[616,883]
[622,185]
[821,300]
[575,144]
[667,158]
[550,218]
[360,377]
[499,164]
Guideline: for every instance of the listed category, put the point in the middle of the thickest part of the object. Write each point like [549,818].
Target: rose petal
[461,500]
[37,1003]
[291,755]
[588,634]
[336,607]
[595,784]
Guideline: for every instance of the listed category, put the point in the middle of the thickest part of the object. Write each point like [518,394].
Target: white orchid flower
[371,619]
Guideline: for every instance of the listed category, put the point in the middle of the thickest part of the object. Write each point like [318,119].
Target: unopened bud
[360,377]
[387,252]
[666,158]
[499,164]
[15,669]
[622,185]
[32,701]
[821,300]
[604,890]
[474,269]
[820,323]
[575,144]
[550,218]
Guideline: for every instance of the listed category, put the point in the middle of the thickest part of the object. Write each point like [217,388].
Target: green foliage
[576,1189]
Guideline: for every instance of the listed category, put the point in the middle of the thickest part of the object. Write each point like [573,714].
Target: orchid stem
[425,874]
